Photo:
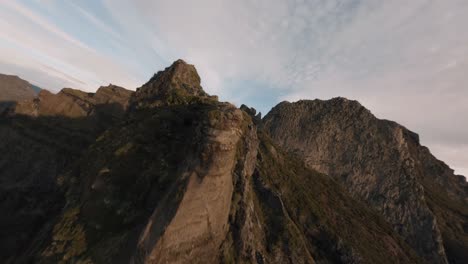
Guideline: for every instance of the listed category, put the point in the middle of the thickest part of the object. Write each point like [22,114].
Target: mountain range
[169,174]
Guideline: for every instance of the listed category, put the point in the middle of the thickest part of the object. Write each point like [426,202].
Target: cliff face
[287,213]
[169,174]
[383,164]
[158,187]
[183,180]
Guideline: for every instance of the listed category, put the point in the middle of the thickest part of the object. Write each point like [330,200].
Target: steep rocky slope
[39,145]
[287,213]
[383,164]
[174,184]
[158,186]
[184,178]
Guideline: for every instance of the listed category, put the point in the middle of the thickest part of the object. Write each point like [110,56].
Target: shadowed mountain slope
[175,176]
[38,146]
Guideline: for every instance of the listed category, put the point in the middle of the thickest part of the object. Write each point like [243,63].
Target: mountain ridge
[168,174]
[374,159]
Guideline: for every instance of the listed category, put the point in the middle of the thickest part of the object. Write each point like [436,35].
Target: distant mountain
[168,174]
[14,89]
[71,103]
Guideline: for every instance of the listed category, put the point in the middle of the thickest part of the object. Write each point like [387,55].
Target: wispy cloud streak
[405,60]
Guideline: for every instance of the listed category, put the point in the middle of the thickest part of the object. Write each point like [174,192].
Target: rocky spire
[176,84]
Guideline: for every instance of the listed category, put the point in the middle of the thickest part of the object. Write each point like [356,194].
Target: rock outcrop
[177,84]
[383,164]
[111,100]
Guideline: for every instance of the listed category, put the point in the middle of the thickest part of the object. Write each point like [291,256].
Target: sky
[406,61]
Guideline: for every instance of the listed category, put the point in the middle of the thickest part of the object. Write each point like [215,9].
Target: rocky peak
[187,179]
[381,163]
[257,118]
[175,84]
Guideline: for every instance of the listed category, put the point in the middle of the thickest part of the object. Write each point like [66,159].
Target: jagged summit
[256,117]
[168,174]
[179,72]
[176,81]
[333,104]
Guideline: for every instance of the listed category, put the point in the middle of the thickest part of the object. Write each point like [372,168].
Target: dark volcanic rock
[383,164]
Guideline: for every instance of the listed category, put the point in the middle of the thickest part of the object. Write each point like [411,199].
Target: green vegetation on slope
[131,170]
[305,208]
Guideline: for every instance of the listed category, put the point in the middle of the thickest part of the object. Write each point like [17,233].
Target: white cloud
[96,21]
[31,37]
[19,9]
[405,60]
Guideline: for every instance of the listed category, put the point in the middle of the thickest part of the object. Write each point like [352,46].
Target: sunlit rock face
[72,103]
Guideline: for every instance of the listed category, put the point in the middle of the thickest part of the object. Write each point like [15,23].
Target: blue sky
[405,60]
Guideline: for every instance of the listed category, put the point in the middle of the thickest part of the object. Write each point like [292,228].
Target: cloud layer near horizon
[404,60]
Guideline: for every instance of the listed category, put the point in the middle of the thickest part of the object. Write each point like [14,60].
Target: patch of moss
[69,238]
[124,149]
